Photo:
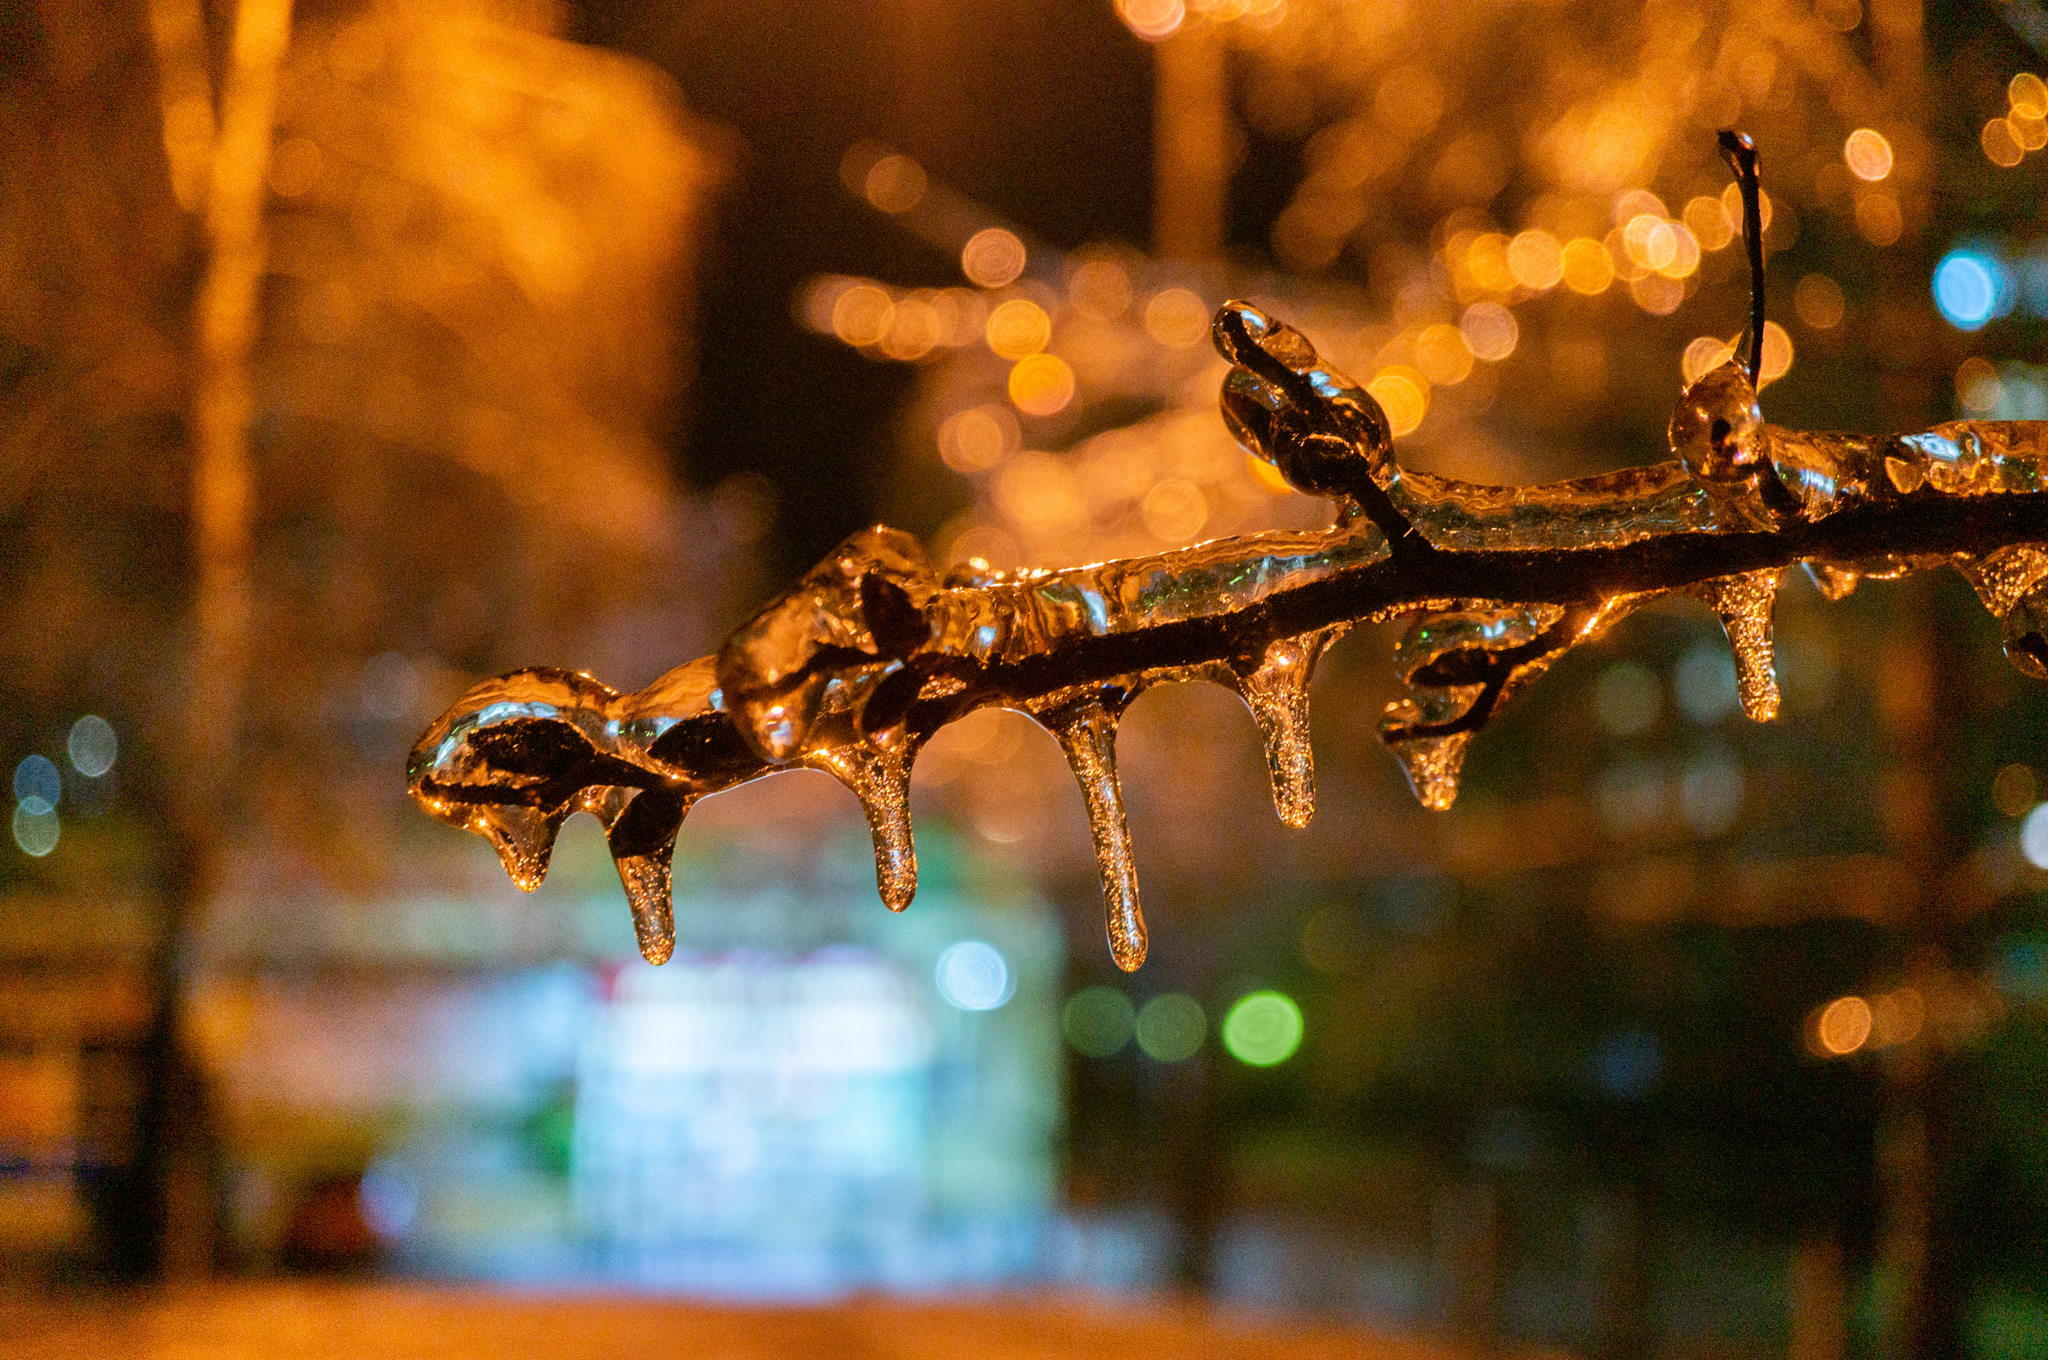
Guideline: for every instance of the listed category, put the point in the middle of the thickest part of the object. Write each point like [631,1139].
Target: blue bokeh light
[1970,288]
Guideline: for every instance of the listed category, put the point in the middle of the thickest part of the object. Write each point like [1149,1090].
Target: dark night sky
[1039,108]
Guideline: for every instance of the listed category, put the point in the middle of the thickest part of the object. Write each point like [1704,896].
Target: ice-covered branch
[859,663]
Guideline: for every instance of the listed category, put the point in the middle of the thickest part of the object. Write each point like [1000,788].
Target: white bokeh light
[974,977]
[2034,837]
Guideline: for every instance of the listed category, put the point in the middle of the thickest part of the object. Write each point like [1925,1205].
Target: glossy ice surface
[854,667]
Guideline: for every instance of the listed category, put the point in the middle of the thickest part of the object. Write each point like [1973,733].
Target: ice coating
[1744,606]
[1274,686]
[1084,721]
[855,666]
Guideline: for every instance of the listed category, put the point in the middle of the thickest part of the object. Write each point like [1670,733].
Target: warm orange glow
[1101,288]
[1818,300]
[1843,1025]
[1152,19]
[895,184]
[1703,356]
[1536,260]
[1177,318]
[862,315]
[1656,294]
[914,331]
[1650,241]
[1017,328]
[1978,389]
[992,257]
[295,167]
[1777,356]
[1174,511]
[1441,354]
[976,440]
[1587,267]
[1708,222]
[1041,385]
[1685,257]
[1878,217]
[1868,154]
[2001,144]
[1490,331]
[2027,94]
[1486,263]
[1896,1017]
[1039,494]
[1266,475]
[1403,393]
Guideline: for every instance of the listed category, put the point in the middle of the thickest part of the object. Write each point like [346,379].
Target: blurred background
[351,352]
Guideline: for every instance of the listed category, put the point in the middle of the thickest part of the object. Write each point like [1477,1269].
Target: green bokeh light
[1097,1021]
[1262,1029]
[1171,1027]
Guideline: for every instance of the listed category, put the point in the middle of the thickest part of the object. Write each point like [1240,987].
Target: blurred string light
[92,746]
[1262,1029]
[1854,1024]
[2015,789]
[973,976]
[1867,154]
[38,787]
[2024,128]
[1971,286]
[1098,1021]
[2034,836]
[1171,1027]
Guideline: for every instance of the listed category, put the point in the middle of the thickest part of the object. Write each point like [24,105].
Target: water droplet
[524,838]
[878,772]
[1744,604]
[1086,730]
[1276,691]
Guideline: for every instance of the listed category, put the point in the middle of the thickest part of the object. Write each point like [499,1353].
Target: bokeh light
[1867,154]
[895,184]
[1098,1021]
[1403,393]
[862,315]
[1262,1029]
[2015,789]
[1843,1025]
[1536,260]
[1967,288]
[1819,302]
[976,440]
[1777,355]
[37,782]
[1441,354]
[1586,266]
[2034,837]
[1041,384]
[1705,354]
[1017,328]
[35,828]
[1174,510]
[1177,318]
[1170,1027]
[973,976]
[92,746]
[1977,385]
[1627,698]
[1152,20]
[992,258]
[1490,331]
[1101,288]
[2001,144]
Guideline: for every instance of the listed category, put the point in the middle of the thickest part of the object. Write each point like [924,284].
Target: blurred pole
[1190,143]
[223,406]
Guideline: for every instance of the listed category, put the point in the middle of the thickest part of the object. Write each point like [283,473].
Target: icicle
[1432,764]
[1744,604]
[641,826]
[1087,733]
[879,775]
[1835,582]
[524,838]
[1276,691]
